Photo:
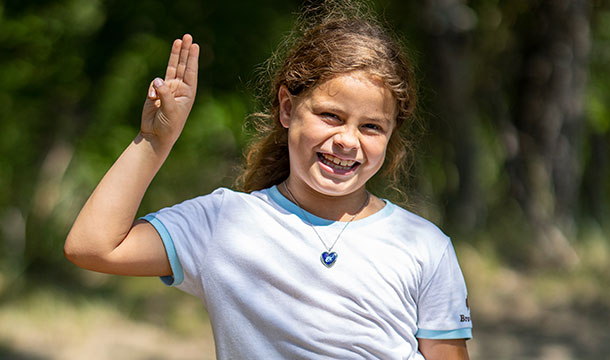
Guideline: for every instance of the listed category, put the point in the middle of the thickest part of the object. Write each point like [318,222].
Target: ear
[286,100]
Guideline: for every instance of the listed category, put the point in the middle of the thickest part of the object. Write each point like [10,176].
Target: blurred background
[514,164]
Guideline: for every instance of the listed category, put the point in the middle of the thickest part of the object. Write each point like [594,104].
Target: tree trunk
[449,25]
[548,119]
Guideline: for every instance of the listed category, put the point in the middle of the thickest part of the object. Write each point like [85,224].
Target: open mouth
[336,163]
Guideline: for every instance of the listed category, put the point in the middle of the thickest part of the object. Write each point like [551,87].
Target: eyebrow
[326,107]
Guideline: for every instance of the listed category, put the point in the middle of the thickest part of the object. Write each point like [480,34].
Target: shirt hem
[464,333]
[178,273]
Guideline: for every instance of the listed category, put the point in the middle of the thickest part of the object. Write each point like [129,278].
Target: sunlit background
[514,164]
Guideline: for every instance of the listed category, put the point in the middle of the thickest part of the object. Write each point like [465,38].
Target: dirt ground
[548,316]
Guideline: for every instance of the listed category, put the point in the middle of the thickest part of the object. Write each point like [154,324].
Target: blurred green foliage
[74,73]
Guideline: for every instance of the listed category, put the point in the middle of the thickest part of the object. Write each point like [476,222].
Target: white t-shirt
[254,261]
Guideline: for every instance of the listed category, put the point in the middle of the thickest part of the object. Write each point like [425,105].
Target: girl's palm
[169,102]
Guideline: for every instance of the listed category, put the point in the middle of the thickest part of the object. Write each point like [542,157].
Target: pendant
[328,259]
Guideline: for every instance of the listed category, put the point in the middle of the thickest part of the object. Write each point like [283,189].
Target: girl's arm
[454,349]
[104,236]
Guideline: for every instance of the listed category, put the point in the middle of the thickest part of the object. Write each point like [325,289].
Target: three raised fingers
[182,60]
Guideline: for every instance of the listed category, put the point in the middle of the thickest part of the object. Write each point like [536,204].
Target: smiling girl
[304,262]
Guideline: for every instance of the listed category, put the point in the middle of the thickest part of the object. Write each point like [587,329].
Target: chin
[336,187]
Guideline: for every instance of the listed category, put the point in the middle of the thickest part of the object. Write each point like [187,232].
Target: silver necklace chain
[329,249]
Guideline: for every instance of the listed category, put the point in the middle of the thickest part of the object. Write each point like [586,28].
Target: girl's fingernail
[158,82]
[152,93]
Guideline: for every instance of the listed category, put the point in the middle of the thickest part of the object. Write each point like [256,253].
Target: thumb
[165,94]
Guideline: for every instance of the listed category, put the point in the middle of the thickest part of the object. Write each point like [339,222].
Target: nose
[347,138]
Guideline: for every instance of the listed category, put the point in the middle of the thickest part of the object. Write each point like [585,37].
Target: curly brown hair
[330,39]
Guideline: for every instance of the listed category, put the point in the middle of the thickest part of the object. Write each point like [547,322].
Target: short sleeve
[443,311]
[186,230]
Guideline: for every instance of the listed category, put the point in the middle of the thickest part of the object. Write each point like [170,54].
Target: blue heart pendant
[328,259]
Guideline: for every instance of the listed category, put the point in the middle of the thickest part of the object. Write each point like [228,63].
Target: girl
[305,263]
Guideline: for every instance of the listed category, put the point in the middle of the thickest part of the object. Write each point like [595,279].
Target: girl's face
[338,133]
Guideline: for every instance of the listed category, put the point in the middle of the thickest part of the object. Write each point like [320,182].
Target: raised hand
[104,237]
[169,101]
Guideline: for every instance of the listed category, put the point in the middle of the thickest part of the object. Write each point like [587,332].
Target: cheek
[305,133]
[300,144]
[377,149]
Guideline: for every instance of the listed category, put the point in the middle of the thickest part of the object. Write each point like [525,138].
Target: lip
[334,168]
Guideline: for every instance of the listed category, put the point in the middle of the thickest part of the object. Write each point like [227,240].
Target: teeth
[336,161]
[332,159]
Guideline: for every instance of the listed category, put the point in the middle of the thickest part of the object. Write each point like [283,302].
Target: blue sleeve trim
[465,333]
[170,249]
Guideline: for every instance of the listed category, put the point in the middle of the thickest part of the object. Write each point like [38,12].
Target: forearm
[450,349]
[109,213]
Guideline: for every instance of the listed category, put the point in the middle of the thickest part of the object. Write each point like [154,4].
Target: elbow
[72,251]
[82,259]
[84,251]
[78,253]
[70,254]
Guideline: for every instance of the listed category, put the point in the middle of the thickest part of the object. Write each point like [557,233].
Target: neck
[338,208]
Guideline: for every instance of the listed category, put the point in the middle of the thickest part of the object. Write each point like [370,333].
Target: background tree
[548,122]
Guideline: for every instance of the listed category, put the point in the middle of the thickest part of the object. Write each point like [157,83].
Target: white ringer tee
[254,261]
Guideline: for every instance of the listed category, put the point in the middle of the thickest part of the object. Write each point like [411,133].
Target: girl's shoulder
[234,195]
[225,193]
[221,202]
[411,225]
[224,197]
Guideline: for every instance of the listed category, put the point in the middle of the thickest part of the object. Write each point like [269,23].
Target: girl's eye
[330,115]
[373,127]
